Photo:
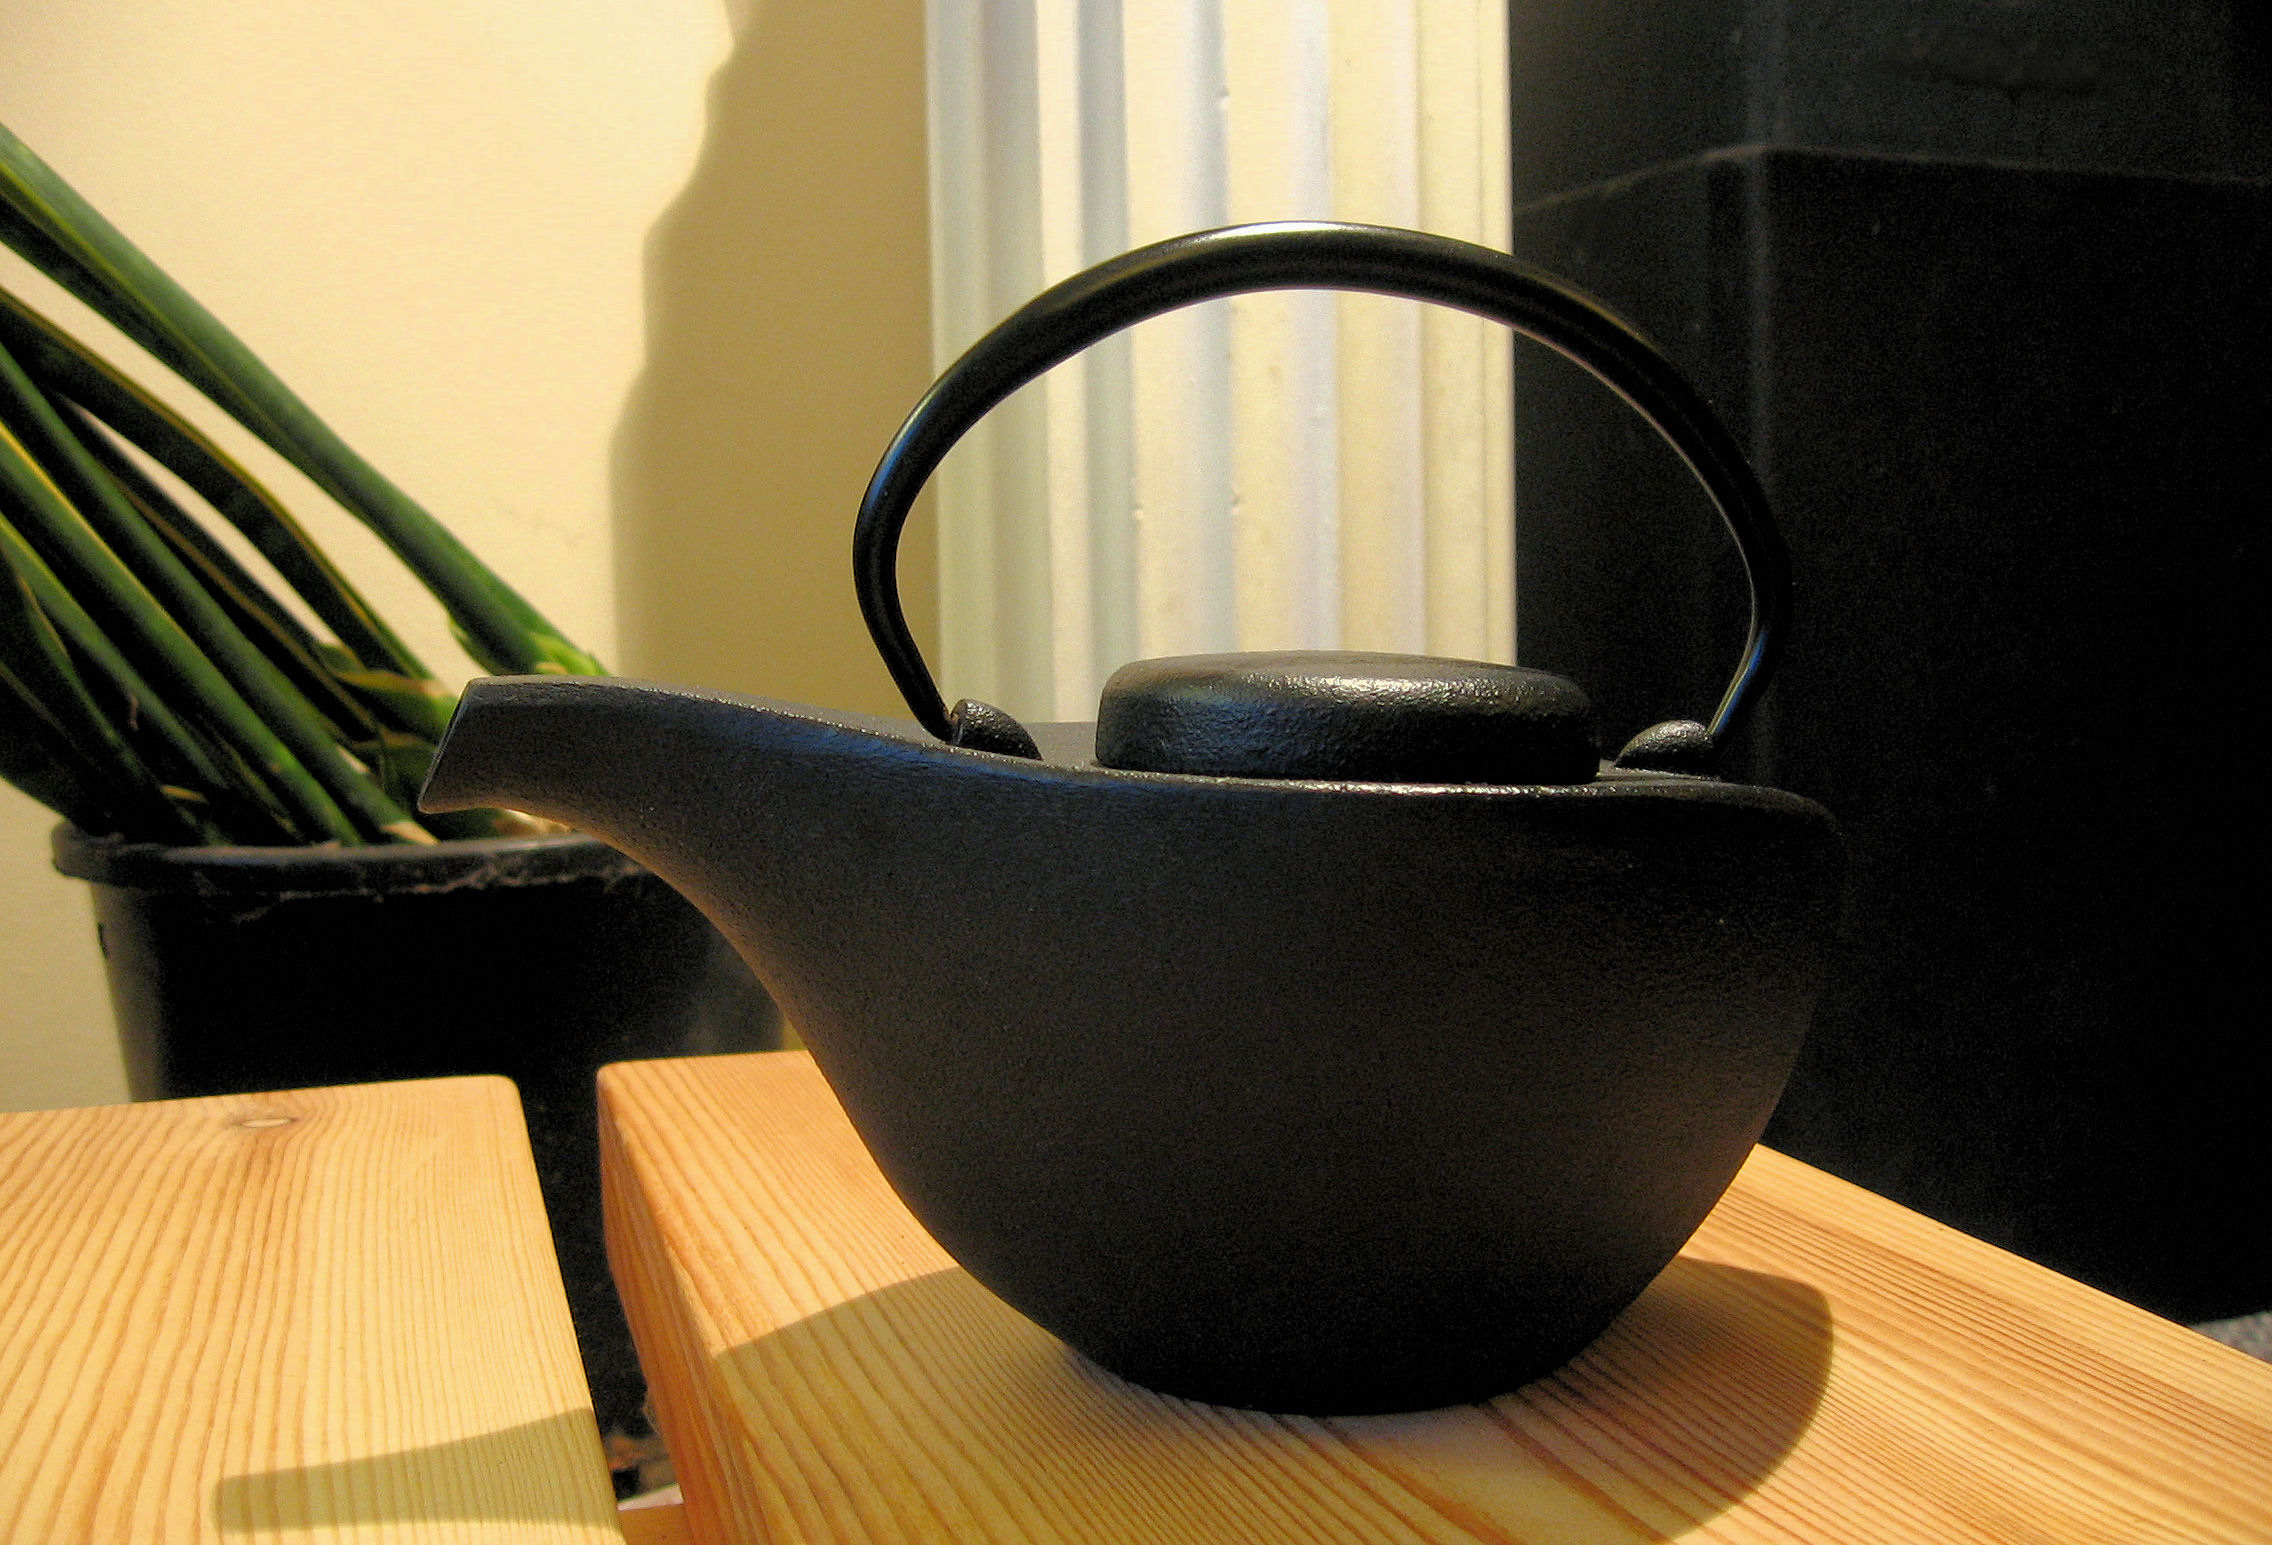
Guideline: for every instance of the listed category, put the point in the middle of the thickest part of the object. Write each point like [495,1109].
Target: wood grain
[326,1315]
[1820,1366]
[663,1524]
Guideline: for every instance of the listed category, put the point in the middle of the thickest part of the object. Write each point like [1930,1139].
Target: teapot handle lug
[977,726]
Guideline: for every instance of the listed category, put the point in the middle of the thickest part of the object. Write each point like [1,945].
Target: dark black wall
[1603,88]
[1984,290]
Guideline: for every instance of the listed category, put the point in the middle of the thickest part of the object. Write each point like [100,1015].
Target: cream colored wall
[56,1043]
[636,276]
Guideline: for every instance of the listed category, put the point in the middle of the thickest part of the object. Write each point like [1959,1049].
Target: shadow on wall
[788,332]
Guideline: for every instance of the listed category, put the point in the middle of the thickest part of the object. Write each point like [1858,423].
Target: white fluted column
[1287,470]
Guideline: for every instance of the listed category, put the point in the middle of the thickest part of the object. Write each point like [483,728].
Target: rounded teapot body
[1313,1097]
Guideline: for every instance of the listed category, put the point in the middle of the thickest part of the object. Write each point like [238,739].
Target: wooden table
[327,1315]
[1820,1366]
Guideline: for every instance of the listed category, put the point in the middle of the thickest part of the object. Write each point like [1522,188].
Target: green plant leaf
[419,707]
[244,804]
[273,630]
[49,224]
[65,542]
[65,367]
[60,746]
[117,531]
[38,758]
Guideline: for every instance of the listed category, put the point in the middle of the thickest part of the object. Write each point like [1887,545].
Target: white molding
[1061,137]
[1286,381]
[1277,471]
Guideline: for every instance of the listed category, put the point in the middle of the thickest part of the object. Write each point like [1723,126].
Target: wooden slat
[325,1315]
[662,1524]
[1820,1366]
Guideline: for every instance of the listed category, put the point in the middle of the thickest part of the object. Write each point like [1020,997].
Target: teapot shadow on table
[1328,1033]
[1676,1414]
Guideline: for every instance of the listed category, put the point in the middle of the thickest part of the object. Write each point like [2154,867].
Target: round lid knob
[1370,718]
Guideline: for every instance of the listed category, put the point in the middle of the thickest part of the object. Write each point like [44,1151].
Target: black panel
[2016,424]
[1603,88]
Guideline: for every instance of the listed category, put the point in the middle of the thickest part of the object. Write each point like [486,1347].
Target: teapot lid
[1373,718]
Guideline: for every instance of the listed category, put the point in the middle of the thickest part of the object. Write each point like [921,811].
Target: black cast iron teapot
[1319,1033]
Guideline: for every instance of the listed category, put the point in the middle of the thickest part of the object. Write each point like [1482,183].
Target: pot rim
[334,870]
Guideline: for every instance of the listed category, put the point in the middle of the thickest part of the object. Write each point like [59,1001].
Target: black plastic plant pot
[234,970]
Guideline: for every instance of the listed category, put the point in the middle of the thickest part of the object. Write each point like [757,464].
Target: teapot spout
[547,745]
[611,756]
[487,757]
[756,811]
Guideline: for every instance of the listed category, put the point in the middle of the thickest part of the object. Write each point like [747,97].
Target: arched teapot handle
[1091,306]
